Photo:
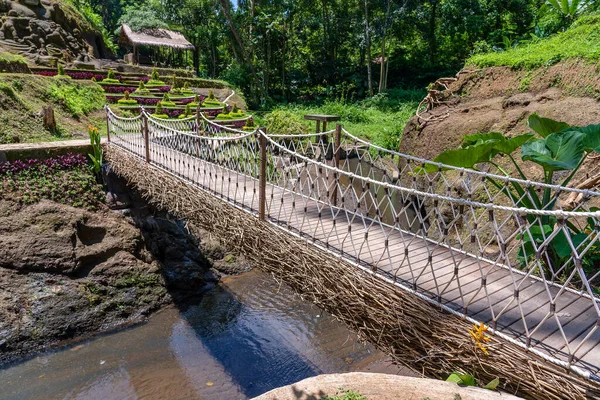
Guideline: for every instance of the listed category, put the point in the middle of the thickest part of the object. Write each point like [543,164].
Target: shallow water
[245,337]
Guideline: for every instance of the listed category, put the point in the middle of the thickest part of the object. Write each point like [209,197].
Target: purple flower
[118,89]
[66,161]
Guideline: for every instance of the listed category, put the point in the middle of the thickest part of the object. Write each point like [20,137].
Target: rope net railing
[468,241]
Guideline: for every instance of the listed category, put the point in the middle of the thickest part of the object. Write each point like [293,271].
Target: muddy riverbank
[68,273]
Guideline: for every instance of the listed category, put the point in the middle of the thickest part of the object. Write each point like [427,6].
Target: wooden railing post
[107,125]
[337,143]
[262,184]
[146,134]
[198,119]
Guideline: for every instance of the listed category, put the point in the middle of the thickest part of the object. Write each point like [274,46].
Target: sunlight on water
[244,338]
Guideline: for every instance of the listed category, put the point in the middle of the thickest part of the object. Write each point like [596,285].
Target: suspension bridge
[451,236]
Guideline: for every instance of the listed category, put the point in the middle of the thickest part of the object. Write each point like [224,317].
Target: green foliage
[284,122]
[560,148]
[76,187]
[61,70]
[468,380]
[78,99]
[127,102]
[208,103]
[569,9]
[83,8]
[345,395]
[154,75]
[154,82]
[97,153]
[11,58]
[111,74]
[581,40]
[139,18]
[380,119]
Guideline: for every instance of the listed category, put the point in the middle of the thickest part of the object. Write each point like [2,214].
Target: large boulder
[50,237]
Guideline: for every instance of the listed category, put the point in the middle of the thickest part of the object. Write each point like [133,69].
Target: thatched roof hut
[174,42]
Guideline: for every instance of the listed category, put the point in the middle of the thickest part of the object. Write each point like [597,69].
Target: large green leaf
[558,152]
[507,146]
[591,138]
[545,126]
[478,138]
[466,157]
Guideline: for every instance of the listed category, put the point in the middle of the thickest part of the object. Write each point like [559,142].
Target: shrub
[284,122]
[155,79]
[61,70]
[127,102]
[154,75]
[211,101]
[141,89]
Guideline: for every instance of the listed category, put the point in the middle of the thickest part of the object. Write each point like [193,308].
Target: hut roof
[156,37]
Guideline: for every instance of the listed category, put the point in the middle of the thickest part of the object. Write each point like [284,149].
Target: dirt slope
[500,99]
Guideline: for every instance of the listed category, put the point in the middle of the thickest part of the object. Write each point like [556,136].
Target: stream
[245,337]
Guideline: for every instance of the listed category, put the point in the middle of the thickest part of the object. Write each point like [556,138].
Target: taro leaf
[507,146]
[545,126]
[536,234]
[480,138]
[591,138]
[466,157]
[561,244]
[493,384]
[557,152]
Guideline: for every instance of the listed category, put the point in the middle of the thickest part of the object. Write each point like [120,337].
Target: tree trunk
[369,60]
[382,71]
[432,38]
[48,118]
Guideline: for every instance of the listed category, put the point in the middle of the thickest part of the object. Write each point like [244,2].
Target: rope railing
[453,236]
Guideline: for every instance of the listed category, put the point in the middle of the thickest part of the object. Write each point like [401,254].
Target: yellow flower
[478,335]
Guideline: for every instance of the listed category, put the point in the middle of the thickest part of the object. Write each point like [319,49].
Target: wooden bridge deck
[455,279]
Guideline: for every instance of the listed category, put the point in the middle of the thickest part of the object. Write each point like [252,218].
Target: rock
[49,237]
[42,24]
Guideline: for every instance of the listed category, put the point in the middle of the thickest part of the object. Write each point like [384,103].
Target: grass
[581,40]
[380,119]
[77,98]
[6,57]
[77,104]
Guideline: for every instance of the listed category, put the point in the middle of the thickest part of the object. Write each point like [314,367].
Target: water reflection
[242,339]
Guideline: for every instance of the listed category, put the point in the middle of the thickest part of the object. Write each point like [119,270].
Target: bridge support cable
[450,235]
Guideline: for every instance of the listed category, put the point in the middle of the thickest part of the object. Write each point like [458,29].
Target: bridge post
[262,185]
[107,124]
[198,119]
[337,143]
[146,134]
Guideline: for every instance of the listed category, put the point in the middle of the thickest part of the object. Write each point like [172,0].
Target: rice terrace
[299,200]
